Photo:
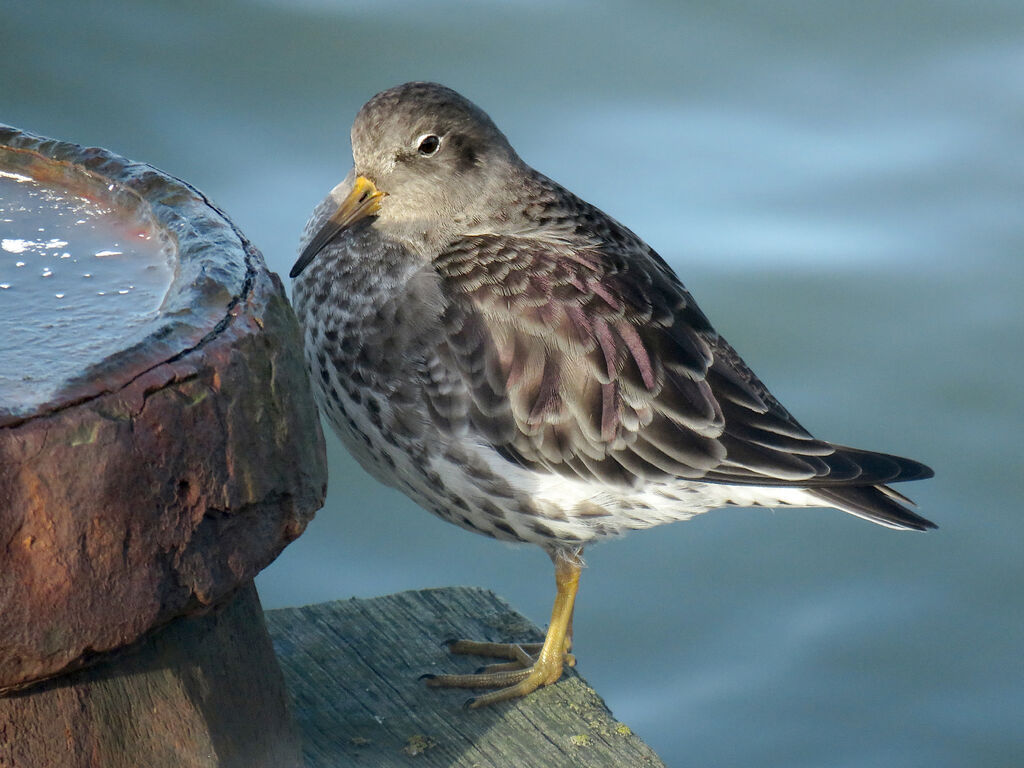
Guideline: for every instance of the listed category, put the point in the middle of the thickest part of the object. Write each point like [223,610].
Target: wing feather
[594,361]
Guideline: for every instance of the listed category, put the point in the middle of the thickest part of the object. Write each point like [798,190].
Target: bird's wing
[594,363]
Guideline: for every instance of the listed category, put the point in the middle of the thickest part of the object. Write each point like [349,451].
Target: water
[840,186]
[79,280]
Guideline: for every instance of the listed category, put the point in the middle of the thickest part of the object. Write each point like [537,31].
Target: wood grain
[352,668]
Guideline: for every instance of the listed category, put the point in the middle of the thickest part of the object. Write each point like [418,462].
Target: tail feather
[877,503]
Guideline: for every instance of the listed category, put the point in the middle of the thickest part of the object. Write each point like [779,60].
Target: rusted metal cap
[171,468]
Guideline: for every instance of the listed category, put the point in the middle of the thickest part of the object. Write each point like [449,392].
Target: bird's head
[427,162]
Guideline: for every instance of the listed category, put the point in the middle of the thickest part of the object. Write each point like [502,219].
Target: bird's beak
[362,201]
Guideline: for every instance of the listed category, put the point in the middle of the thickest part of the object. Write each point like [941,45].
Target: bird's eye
[428,144]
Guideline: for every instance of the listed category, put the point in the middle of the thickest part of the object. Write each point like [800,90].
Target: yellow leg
[530,666]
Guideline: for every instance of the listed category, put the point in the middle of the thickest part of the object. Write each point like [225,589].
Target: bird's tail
[877,503]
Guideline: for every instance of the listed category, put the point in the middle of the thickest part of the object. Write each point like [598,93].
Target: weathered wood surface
[352,669]
[204,692]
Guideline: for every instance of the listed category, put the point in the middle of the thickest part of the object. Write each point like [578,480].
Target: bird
[524,366]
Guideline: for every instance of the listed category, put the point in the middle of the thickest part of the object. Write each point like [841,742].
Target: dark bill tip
[307,255]
[362,201]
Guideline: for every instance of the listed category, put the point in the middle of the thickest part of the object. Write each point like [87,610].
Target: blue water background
[840,185]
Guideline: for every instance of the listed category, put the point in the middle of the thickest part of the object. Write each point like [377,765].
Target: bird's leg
[530,665]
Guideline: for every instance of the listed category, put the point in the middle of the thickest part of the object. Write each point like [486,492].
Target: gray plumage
[523,365]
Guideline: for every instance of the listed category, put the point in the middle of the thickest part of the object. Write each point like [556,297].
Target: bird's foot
[528,668]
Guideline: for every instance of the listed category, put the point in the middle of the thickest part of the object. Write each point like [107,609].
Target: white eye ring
[428,144]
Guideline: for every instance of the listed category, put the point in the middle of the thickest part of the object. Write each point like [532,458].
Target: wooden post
[352,669]
[150,486]
[204,692]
